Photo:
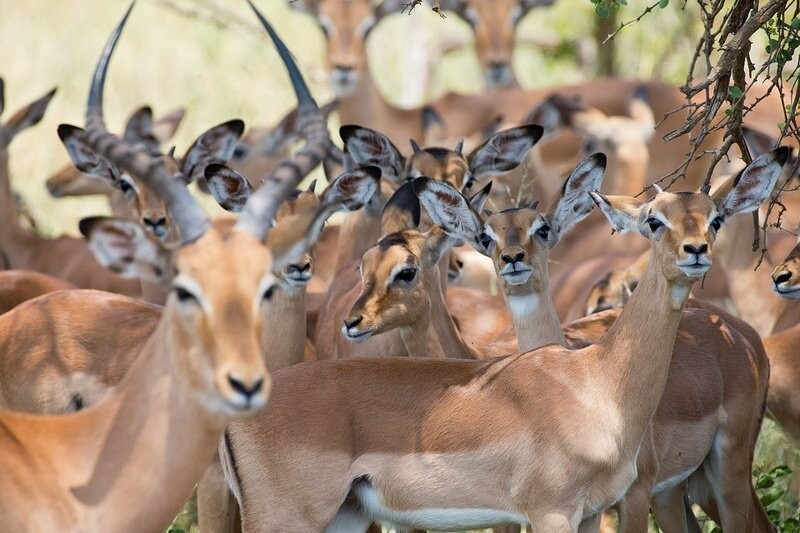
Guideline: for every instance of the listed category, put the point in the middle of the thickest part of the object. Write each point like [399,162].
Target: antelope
[140,126]
[494,24]
[519,241]
[181,378]
[363,146]
[17,286]
[420,443]
[616,287]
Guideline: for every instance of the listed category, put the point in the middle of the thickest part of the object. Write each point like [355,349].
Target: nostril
[305,267]
[782,277]
[697,250]
[353,322]
[239,386]
[155,222]
[519,257]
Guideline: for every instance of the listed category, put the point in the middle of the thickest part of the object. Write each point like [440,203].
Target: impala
[451,444]
[679,443]
[87,464]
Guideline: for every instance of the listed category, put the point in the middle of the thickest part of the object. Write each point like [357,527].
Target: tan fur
[17,286]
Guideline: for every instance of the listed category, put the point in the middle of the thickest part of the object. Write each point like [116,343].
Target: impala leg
[670,511]
[562,521]
[591,524]
[634,509]
[511,528]
[217,509]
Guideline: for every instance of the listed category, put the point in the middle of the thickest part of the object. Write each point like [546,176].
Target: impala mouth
[516,273]
[344,80]
[696,268]
[55,191]
[499,75]
[298,279]
[790,292]
[354,335]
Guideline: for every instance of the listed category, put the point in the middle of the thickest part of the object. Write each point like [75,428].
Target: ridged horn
[185,211]
[261,208]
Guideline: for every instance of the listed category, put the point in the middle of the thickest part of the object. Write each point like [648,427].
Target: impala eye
[716,223]
[486,241]
[543,232]
[269,293]
[654,224]
[240,151]
[407,274]
[183,295]
[124,186]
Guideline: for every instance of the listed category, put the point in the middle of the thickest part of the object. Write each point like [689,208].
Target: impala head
[611,292]
[682,226]
[501,152]
[494,25]
[519,239]
[136,200]
[24,118]
[398,272]
[346,25]
[221,278]
[261,150]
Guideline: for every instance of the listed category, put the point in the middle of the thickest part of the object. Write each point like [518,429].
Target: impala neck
[636,352]
[535,320]
[434,334]
[8,208]
[283,336]
[631,172]
[366,106]
[749,288]
[153,432]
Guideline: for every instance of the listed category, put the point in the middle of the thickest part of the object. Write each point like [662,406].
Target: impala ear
[753,184]
[402,211]
[30,115]
[503,151]
[758,143]
[621,211]
[478,200]
[2,95]
[165,127]
[573,203]
[124,247]
[449,209]
[140,125]
[367,147]
[230,189]
[353,189]
[83,156]
[215,145]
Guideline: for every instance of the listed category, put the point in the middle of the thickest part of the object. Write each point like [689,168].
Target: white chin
[359,337]
[788,293]
[343,83]
[694,271]
[517,278]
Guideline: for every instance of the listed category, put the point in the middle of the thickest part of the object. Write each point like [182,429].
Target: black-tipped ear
[230,189]
[31,114]
[758,143]
[140,126]
[85,159]
[312,186]
[503,151]
[2,95]
[753,184]
[449,209]
[88,224]
[164,127]
[402,211]
[216,145]
[414,146]
[367,147]
[459,149]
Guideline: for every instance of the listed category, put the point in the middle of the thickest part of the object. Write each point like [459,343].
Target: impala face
[786,276]
[345,24]
[219,314]
[518,241]
[298,274]
[393,292]
[611,292]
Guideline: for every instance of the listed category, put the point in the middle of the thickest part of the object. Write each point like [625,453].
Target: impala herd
[346,377]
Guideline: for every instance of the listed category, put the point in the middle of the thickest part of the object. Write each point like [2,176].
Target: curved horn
[183,208]
[261,208]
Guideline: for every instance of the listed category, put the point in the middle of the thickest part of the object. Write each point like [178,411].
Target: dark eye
[183,295]
[486,241]
[543,232]
[407,274]
[654,224]
[716,223]
[239,152]
[268,293]
[124,186]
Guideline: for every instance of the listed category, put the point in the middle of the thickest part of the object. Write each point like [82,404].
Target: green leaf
[796,24]
[735,92]
[729,112]
[765,482]
[663,3]
[623,2]
[602,10]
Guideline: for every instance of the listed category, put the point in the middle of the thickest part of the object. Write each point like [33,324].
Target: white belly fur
[457,519]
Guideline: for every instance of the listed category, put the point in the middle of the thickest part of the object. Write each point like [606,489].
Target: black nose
[519,256]
[353,322]
[783,276]
[697,250]
[239,386]
[154,222]
[299,268]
